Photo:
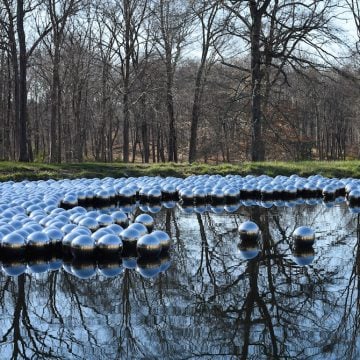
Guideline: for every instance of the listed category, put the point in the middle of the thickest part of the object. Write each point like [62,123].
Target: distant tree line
[175,80]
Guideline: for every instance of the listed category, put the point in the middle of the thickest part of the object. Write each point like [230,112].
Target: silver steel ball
[82,245]
[146,220]
[110,243]
[148,246]
[13,241]
[164,238]
[129,236]
[249,230]
[304,234]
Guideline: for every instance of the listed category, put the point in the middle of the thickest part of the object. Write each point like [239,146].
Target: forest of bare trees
[179,80]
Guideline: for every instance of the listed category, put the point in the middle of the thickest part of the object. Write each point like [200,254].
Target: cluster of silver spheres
[303,241]
[32,222]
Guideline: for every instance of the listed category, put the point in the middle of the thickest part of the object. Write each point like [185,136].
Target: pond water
[206,301]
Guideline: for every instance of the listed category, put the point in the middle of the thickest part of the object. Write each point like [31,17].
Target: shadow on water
[218,298]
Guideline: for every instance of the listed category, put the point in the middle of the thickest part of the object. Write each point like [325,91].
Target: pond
[206,299]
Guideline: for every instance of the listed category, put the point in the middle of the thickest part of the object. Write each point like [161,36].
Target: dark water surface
[207,302]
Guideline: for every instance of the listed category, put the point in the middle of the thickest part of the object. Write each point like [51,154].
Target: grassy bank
[34,171]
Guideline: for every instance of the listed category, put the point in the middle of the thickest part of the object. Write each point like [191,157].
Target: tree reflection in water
[209,303]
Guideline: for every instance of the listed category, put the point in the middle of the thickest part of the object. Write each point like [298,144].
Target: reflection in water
[220,298]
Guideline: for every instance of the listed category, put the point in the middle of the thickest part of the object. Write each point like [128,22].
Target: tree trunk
[22,120]
[257,147]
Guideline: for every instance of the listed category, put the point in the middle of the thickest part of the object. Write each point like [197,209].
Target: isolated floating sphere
[304,235]
[146,220]
[148,246]
[164,238]
[249,230]
[109,243]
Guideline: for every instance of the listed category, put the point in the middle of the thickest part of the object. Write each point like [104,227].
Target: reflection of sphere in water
[83,269]
[38,265]
[129,262]
[249,248]
[146,220]
[231,208]
[148,268]
[249,230]
[148,245]
[14,268]
[164,238]
[165,262]
[55,264]
[109,243]
[303,255]
[304,234]
[111,268]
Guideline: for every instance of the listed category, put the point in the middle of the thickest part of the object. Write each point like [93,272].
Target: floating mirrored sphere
[148,246]
[104,220]
[120,218]
[13,242]
[249,230]
[140,228]
[90,223]
[115,228]
[82,245]
[38,239]
[55,235]
[129,236]
[164,238]
[146,220]
[304,234]
[109,243]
